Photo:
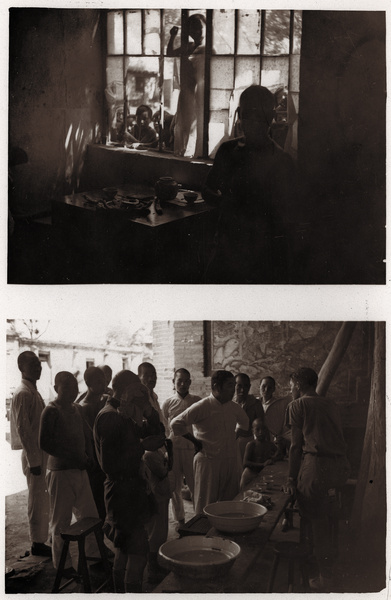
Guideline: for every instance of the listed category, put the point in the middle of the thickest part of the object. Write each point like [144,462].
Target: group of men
[84,456]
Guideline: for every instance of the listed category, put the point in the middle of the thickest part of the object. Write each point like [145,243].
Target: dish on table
[198,557]
[235,516]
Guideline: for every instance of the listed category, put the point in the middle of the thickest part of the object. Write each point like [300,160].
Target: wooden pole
[334,358]
[368,522]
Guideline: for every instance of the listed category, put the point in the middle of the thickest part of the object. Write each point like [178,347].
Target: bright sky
[83,330]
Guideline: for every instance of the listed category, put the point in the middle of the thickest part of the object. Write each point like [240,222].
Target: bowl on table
[235,516]
[190,196]
[198,557]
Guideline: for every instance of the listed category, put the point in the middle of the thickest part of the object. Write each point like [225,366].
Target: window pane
[294,82]
[152,32]
[218,130]
[223,31]
[171,85]
[114,94]
[247,71]
[297,23]
[222,73]
[277,24]
[172,17]
[275,72]
[133,31]
[115,71]
[115,32]
[219,98]
[249,31]
[142,83]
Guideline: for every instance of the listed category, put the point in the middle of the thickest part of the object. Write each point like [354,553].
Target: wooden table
[252,544]
[123,247]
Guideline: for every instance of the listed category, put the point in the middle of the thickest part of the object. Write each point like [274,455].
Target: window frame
[208,56]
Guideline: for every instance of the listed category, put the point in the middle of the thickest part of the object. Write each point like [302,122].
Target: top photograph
[196,146]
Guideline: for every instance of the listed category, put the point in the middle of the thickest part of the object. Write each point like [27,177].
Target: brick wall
[276,348]
[179,344]
[163,357]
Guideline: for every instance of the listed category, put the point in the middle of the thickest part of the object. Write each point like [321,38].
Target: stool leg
[60,569]
[291,574]
[82,566]
[273,573]
[103,553]
[304,576]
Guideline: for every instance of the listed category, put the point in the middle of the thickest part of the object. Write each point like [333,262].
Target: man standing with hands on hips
[217,466]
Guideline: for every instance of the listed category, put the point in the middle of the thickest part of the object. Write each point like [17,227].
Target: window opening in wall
[125,362]
[90,362]
[190,67]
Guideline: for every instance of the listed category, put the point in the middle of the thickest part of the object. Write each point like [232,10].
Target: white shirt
[214,425]
[174,406]
[26,409]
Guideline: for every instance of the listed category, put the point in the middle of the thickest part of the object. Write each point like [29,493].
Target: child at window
[158,463]
[258,453]
[142,133]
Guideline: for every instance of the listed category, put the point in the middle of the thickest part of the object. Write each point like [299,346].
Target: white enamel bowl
[235,516]
[199,557]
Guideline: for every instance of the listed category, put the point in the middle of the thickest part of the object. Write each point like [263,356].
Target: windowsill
[106,165]
[164,154]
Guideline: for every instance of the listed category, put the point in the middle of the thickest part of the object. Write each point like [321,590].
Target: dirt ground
[36,574]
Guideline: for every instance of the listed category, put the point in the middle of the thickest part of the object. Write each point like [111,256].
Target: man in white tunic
[183,448]
[214,420]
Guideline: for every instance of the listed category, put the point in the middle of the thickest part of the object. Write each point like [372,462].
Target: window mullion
[125,42]
[208,53]
[291,29]
[161,80]
[142,32]
[263,18]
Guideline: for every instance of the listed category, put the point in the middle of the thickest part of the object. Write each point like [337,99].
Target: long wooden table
[252,544]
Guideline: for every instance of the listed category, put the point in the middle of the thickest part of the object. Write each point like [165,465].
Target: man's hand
[36,470]
[290,486]
[174,30]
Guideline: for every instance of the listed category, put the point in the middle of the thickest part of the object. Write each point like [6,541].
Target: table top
[252,544]
[171,211]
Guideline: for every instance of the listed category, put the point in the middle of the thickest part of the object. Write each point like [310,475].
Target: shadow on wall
[56,98]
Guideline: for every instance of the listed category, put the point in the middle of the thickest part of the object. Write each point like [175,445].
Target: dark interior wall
[55,98]
[342,144]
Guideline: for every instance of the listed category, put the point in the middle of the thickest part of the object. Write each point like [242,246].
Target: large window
[191,70]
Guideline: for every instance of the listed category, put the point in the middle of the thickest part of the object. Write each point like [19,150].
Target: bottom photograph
[195,456]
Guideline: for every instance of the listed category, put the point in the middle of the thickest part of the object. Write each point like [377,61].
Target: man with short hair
[90,405]
[274,409]
[26,409]
[148,376]
[317,466]
[62,436]
[182,448]
[252,407]
[252,181]
[214,420]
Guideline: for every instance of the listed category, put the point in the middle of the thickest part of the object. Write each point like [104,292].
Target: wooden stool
[78,533]
[292,551]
